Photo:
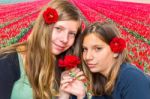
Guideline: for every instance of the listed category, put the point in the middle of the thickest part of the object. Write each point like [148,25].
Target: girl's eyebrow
[60,26]
[96,45]
[74,31]
[65,28]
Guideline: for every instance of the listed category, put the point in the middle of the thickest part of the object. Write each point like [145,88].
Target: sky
[16,1]
[13,1]
[139,1]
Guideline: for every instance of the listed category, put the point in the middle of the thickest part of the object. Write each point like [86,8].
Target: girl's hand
[65,79]
[73,85]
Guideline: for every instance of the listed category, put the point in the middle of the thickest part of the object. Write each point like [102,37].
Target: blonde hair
[102,84]
[40,64]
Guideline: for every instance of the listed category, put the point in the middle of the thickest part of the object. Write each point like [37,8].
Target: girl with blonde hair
[29,70]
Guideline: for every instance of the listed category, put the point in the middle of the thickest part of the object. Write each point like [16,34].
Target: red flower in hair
[69,61]
[50,16]
[117,45]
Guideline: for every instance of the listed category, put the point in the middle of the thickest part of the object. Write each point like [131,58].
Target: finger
[64,86]
[66,81]
[73,72]
[77,70]
[65,73]
[79,74]
[81,78]
[66,77]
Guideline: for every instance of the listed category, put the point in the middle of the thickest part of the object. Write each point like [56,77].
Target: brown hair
[102,84]
[40,64]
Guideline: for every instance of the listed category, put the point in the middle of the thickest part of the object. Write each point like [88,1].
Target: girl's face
[63,36]
[97,54]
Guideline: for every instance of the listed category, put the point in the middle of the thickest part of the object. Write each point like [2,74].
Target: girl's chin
[56,52]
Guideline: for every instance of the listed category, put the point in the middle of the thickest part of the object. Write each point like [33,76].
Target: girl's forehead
[68,24]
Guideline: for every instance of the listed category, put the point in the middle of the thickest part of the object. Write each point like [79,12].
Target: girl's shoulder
[127,69]
[129,73]
[9,64]
[8,58]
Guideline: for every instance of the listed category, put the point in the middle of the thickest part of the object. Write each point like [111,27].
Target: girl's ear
[116,55]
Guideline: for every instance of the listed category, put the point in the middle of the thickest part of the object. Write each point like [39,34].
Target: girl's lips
[58,46]
[91,65]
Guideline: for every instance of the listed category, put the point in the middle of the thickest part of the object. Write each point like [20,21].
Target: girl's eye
[84,49]
[98,48]
[72,34]
[58,28]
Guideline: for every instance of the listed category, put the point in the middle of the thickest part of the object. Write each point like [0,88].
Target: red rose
[50,15]
[69,62]
[117,45]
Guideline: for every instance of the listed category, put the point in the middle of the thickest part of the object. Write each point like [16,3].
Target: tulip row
[16,20]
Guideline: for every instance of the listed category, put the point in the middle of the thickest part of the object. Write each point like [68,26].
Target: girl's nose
[64,37]
[89,55]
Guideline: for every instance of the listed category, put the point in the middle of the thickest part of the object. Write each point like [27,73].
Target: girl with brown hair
[107,66]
